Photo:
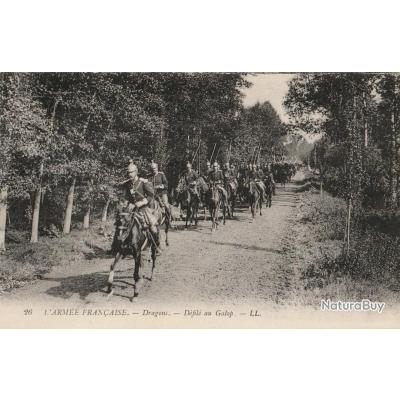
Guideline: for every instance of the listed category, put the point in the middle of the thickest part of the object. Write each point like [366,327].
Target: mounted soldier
[269,184]
[191,177]
[242,179]
[139,197]
[242,172]
[160,184]
[208,168]
[259,179]
[226,173]
[234,177]
[251,173]
[234,172]
[216,177]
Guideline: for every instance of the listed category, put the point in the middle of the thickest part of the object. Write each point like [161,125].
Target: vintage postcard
[199,200]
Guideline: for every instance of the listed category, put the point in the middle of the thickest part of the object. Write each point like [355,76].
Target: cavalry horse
[254,198]
[215,203]
[231,200]
[188,200]
[132,239]
[269,189]
[242,190]
[165,218]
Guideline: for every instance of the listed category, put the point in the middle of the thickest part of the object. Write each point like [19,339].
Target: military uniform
[242,173]
[259,179]
[191,178]
[230,178]
[141,194]
[251,174]
[227,175]
[217,178]
[160,184]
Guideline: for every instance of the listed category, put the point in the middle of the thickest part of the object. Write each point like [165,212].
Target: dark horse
[242,191]
[269,189]
[132,239]
[215,203]
[190,201]
[231,201]
[254,198]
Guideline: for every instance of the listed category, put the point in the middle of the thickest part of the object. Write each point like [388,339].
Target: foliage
[372,266]
[82,128]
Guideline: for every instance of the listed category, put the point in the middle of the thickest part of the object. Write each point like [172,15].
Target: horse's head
[124,219]
[214,192]
[252,187]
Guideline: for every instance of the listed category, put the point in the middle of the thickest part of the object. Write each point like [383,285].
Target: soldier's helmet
[208,163]
[189,164]
[131,167]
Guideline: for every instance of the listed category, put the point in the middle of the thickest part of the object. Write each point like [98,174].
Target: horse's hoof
[110,294]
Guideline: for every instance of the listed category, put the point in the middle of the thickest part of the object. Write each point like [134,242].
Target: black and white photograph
[200,199]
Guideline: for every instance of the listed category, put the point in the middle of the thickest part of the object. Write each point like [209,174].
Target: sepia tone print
[237,200]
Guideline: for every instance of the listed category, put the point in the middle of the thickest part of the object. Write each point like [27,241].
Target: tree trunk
[35,217]
[393,158]
[105,212]
[365,121]
[104,217]
[3,218]
[68,209]
[86,218]
[348,222]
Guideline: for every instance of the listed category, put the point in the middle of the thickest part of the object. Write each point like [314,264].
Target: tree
[338,105]
[259,136]
[24,132]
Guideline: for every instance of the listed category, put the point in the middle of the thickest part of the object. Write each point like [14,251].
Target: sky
[271,87]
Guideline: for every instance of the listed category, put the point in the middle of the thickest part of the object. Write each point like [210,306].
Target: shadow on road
[245,247]
[84,285]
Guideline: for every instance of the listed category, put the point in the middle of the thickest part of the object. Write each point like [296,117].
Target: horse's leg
[224,212]
[180,211]
[153,259]
[212,216]
[136,276]
[111,275]
[187,216]
[195,212]
[261,202]
[216,214]
[167,225]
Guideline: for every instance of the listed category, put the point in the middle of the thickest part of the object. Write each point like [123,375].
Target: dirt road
[244,261]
